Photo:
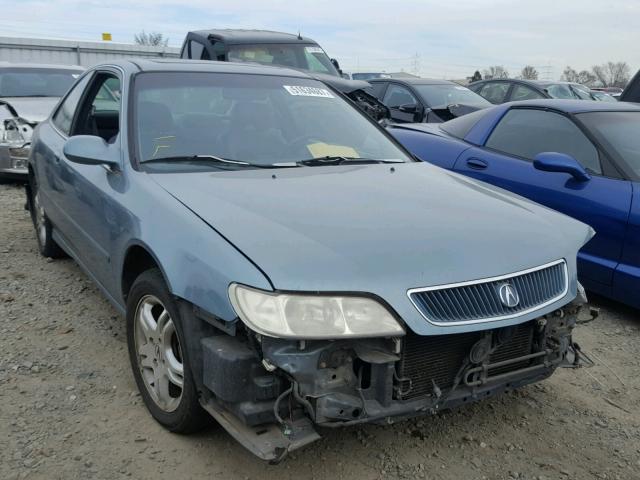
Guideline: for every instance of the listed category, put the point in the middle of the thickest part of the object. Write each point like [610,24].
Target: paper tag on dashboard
[308,91]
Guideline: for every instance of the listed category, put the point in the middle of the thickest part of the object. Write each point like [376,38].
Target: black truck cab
[282,49]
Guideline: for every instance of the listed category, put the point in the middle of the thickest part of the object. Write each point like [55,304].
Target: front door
[601,202]
[88,190]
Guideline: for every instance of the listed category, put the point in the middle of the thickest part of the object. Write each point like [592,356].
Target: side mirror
[91,150]
[408,108]
[560,162]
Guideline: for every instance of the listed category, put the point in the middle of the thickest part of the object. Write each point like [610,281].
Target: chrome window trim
[562,261]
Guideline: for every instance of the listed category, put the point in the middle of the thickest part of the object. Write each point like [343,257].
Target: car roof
[574,106]
[413,81]
[240,36]
[537,83]
[41,66]
[179,65]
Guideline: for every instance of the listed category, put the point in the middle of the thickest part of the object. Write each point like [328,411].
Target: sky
[439,39]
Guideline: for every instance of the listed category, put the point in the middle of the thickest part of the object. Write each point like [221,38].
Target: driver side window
[99,114]
[397,96]
[528,132]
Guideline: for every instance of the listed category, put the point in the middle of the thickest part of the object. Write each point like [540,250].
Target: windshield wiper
[213,159]
[339,160]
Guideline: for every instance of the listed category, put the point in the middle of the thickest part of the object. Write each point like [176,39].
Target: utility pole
[415,64]
[546,72]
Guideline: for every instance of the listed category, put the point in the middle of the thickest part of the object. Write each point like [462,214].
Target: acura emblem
[508,295]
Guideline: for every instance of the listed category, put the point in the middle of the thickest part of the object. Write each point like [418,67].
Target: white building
[71,52]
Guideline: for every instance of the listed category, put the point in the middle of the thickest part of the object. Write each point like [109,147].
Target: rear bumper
[286,387]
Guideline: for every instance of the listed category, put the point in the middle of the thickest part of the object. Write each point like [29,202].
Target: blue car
[578,157]
[269,246]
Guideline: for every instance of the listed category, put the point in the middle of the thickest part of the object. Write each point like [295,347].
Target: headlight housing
[300,316]
[15,132]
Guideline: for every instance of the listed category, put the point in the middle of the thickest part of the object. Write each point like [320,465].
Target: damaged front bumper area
[13,161]
[270,393]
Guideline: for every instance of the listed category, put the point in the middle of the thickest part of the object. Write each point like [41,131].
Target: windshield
[304,57]
[618,132]
[250,118]
[581,94]
[441,96]
[603,97]
[36,82]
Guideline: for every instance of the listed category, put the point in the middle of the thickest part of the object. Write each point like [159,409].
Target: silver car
[28,93]
[283,264]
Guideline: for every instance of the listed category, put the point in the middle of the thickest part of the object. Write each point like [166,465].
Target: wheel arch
[137,259]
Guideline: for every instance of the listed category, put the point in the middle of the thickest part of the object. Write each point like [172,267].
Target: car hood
[31,109]
[377,228]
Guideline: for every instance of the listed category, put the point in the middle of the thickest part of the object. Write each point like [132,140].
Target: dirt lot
[70,410]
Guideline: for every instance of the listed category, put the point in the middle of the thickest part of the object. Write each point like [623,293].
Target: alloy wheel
[159,353]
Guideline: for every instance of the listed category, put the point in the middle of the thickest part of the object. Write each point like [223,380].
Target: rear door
[505,160]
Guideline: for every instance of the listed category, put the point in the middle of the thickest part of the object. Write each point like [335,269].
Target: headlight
[16,133]
[298,316]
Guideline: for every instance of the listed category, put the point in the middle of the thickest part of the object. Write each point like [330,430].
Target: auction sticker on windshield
[314,50]
[308,91]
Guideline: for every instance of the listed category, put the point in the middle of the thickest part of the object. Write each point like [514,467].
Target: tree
[154,39]
[529,73]
[476,76]
[584,77]
[612,74]
[587,78]
[569,75]
[495,71]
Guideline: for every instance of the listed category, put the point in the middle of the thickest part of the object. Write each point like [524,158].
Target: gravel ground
[69,408]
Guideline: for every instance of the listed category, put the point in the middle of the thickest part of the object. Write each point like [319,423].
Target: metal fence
[68,52]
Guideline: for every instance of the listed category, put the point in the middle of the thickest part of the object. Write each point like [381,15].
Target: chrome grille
[479,301]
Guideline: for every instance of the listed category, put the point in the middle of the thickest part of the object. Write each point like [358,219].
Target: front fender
[197,262]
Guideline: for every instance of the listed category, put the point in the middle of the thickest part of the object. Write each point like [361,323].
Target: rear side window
[397,96]
[495,92]
[527,132]
[377,89]
[560,91]
[63,118]
[461,126]
[522,92]
[195,49]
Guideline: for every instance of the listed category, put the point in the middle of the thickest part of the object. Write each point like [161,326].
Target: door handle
[477,163]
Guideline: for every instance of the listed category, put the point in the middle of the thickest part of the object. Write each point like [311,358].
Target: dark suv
[283,49]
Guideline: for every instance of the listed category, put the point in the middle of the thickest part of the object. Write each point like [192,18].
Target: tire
[155,339]
[42,225]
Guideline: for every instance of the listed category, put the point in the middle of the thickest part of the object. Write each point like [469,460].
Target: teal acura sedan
[283,263]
